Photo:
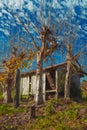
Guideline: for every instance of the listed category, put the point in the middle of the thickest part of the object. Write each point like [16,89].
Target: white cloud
[1,29]
[0,14]
[84,3]
[71,3]
[85,27]
[6,32]
[7,25]
[21,14]
[13,24]
[5,12]
[13,4]
[1,5]
[30,6]
[56,4]
[18,4]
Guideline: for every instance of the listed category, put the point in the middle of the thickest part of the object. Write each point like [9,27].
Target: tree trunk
[7,94]
[67,82]
[68,73]
[17,87]
[7,88]
[39,93]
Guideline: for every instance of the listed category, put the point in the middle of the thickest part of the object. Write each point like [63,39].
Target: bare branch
[27,30]
[76,56]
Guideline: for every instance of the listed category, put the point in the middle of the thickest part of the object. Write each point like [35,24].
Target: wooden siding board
[44,86]
[24,87]
[56,77]
[33,84]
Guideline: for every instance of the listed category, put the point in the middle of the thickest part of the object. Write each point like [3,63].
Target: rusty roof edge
[44,69]
[54,66]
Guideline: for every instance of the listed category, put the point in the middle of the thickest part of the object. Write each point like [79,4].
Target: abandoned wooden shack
[53,82]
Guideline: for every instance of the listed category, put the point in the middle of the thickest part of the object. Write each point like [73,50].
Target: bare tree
[47,43]
[73,65]
[48,46]
[42,53]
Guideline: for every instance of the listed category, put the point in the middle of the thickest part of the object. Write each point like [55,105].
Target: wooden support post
[21,88]
[32,112]
[56,77]
[44,86]
[17,88]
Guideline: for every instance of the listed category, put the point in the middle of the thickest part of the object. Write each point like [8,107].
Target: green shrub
[50,106]
[10,128]
[1,95]
[70,114]
[61,126]
[84,95]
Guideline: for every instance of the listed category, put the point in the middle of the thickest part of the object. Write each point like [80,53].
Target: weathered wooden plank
[33,84]
[50,91]
[56,77]
[24,86]
[44,86]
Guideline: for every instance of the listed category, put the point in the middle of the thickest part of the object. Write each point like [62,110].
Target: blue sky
[30,12]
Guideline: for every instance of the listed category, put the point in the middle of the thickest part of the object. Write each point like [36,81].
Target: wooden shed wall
[28,82]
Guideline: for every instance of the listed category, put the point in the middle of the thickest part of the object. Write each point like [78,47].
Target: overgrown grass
[8,109]
[1,95]
[66,118]
[55,115]
[59,121]
[84,95]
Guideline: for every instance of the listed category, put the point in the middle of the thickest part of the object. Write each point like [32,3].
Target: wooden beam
[50,91]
